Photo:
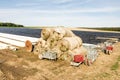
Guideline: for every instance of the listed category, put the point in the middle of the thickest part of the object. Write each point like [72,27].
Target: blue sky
[68,13]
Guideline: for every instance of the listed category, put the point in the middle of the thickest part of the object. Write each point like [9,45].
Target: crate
[91,55]
[48,55]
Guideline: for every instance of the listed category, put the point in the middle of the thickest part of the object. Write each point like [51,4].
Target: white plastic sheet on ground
[15,40]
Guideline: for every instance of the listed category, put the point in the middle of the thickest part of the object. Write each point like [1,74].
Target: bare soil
[22,65]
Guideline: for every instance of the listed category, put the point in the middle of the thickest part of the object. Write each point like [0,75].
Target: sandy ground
[22,65]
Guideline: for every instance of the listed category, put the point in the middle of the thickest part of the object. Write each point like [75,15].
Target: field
[108,29]
[88,35]
[21,65]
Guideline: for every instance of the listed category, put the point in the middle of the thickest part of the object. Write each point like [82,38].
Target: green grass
[116,65]
[105,74]
[118,58]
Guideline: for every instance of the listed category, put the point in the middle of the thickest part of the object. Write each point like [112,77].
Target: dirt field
[21,65]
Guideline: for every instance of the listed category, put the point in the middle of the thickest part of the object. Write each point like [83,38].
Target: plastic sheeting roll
[70,43]
[81,50]
[60,33]
[46,33]
[51,42]
[40,46]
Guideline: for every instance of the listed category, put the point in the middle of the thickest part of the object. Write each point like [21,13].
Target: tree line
[7,24]
[109,29]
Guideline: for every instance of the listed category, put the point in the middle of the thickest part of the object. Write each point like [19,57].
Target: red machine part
[109,48]
[78,58]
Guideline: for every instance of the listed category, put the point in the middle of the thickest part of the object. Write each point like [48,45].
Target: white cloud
[61,1]
[67,21]
[71,1]
[43,17]
[87,10]
[27,4]
[85,1]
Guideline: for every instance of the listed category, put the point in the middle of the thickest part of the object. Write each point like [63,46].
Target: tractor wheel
[29,46]
[104,51]
[108,52]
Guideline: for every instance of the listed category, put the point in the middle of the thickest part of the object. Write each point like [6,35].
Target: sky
[68,13]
